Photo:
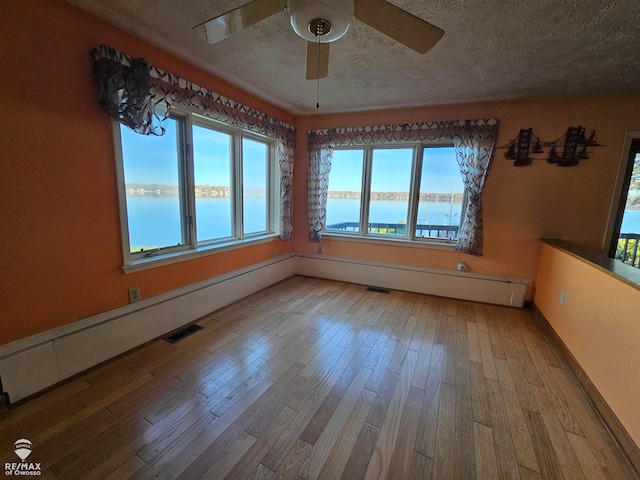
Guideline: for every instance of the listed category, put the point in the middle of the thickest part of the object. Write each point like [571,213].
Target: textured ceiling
[492,50]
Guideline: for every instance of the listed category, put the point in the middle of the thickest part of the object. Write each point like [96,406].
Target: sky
[392,170]
[148,158]
[152,159]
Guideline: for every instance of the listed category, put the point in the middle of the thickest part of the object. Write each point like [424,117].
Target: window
[625,242]
[409,192]
[201,185]
[212,170]
[344,200]
[154,200]
[389,192]
[255,186]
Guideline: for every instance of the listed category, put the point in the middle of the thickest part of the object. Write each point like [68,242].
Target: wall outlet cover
[134,294]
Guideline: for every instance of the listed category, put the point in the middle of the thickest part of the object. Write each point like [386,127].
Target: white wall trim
[499,290]
[34,363]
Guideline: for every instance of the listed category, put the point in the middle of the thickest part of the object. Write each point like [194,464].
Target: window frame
[134,261]
[410,236]
[626,161]
[271,219]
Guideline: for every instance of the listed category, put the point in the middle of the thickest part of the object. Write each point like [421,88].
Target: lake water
[155,221]
[381,211]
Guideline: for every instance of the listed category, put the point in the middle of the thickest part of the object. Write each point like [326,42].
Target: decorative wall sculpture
[574,145]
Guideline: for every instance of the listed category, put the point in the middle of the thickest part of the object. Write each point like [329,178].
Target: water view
[155,221]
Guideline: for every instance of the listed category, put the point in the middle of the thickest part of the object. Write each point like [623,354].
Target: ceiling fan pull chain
[318,84]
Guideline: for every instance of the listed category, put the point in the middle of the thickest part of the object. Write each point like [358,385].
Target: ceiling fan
[323,21]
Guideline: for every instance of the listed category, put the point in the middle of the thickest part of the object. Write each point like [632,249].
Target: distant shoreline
[217,191]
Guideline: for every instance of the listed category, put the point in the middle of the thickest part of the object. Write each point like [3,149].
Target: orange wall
[599,325]
[61,257]
[522,204]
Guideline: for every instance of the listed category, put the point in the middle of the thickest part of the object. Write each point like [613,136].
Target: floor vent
[378,290]
[185,332]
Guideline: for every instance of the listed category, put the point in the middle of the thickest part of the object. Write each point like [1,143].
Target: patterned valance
[140,96]
[474,141]
[398,133]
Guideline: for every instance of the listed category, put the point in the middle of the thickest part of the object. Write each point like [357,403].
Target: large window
[410,192]
[201,185]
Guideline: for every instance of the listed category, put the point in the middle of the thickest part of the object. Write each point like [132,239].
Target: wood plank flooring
[313,379]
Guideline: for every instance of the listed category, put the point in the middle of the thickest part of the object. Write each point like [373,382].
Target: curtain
[474,153]
[285,154]
[474,141]
[320,153]
[141,96]
[126,92]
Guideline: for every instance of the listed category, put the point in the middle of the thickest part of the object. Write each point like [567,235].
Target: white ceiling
[492,50]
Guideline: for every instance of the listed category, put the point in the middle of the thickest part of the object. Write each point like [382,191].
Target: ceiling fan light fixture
[337,13]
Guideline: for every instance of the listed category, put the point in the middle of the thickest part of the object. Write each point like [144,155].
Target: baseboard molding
[444,283]
[32,364]
[608,416]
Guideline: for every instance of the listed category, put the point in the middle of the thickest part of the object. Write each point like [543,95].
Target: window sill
[398,242]
[204,251]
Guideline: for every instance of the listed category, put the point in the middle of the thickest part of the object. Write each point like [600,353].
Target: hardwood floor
[314,379]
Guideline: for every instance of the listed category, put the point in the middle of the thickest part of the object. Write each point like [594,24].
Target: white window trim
[192,249]
[177,257]
[409,239]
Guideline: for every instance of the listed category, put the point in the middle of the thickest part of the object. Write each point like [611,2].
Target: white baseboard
[34,363]
[493,289]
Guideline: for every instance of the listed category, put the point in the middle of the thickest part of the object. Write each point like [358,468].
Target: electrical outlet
[319,250]
[562,295]
[134,294]
[275,252]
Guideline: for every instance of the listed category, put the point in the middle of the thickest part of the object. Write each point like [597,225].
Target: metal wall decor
[574,145]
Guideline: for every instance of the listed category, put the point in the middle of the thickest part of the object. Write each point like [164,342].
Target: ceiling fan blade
[398,24]
[235,20]
[317,60]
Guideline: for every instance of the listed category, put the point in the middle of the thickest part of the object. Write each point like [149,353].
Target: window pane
[152,179]
[628,243]
[441,194]
[212,176]
[255,178]
[345,191]
[390,185]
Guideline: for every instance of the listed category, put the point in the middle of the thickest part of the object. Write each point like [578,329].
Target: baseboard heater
[35,363]
[495,289]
